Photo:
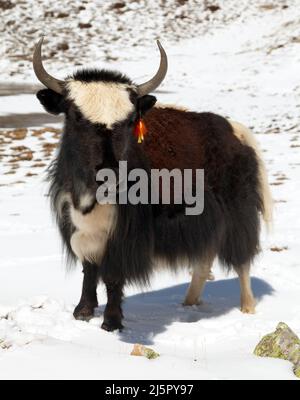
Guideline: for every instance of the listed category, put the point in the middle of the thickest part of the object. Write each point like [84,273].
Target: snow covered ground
[247,70]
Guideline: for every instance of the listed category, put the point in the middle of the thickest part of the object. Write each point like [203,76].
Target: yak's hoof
[112,325]
[194,302]
[248,305]
[84,312]
[248,309]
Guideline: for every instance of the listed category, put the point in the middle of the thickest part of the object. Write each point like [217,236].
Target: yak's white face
[101,102]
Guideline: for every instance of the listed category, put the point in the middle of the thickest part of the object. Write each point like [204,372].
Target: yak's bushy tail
[247,137]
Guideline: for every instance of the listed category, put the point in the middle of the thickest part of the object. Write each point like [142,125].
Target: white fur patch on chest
[101,102]
[92,231]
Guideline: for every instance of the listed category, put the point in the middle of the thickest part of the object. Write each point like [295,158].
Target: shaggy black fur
[228,227]
[113,312]
[88,301]
[103,75]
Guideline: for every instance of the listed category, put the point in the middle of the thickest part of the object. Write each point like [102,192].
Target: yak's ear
[52,102]
[145,103]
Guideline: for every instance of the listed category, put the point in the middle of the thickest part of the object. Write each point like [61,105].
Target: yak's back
[185,139]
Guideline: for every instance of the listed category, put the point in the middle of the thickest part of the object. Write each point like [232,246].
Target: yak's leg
[113,312]
[88,301]
[247,298]
[199,278]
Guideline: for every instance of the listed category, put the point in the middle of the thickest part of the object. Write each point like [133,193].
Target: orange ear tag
[140,130]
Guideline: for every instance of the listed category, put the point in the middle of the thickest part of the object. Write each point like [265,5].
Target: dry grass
[278,249]
[13,153]
[31,174]
[40,132]
[17,134]
[39,165]
[48,148]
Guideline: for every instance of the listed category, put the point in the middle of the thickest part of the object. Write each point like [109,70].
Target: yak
[125,243]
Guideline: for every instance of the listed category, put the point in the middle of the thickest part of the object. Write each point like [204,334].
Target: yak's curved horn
[49,81]
[153,83]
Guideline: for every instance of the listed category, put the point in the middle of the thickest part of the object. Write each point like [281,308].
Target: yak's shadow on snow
[148,314]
